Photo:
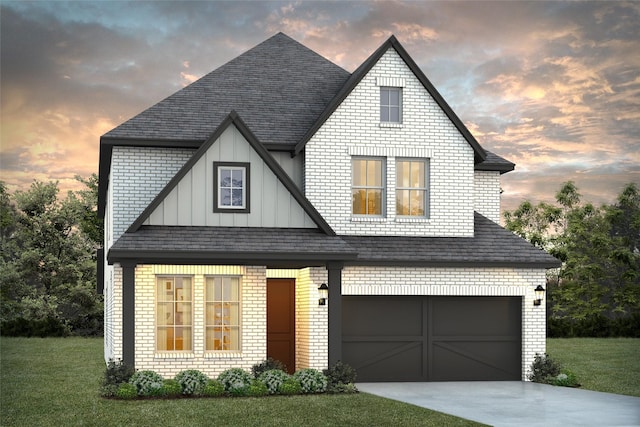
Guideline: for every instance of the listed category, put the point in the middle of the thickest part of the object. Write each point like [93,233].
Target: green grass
[611,365]
[55,382]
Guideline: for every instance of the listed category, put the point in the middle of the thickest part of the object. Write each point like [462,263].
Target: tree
[47,268]
[599,277]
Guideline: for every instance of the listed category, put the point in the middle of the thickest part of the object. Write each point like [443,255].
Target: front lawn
[611,365]
[55,382]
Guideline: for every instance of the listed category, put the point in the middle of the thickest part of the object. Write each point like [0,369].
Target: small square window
[231,186]
[391,104]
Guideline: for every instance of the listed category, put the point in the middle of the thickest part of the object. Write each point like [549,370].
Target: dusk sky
[552,86]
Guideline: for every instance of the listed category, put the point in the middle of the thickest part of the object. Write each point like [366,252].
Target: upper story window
[412,192]
[174,313]
[222,297]
[390,104]
[367,186]
[231,184]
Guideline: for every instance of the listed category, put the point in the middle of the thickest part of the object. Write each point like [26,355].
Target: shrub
[235,381]
[116,373]
[339,376]
[311,380]
[273,379]
[192,382]
[343,388]
[147,383]
[214,388]
[544,369]
[171,388]
[126,391]
[565,379]
[267,365]
[290,386]
[257,389]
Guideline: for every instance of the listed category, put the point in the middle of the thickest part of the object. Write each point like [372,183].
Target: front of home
[229,204]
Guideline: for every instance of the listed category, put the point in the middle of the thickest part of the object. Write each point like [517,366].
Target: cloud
[552,86]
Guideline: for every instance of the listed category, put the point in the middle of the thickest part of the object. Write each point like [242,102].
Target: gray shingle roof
[493,162]
[171,244]
[279,87]
[491,246]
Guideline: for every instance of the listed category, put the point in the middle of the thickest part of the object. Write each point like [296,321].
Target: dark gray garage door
[398,338]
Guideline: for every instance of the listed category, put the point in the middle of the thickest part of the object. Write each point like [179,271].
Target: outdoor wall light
[323,291]
[539,295]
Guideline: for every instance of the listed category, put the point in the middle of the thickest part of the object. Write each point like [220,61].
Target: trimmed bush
[341,377]
[147,383]
[267,365]
[171,388]
[192,382]
[311,380]
[544,369]
[235,381]
[116,373]
[257,389]
[214,388]
[290,386]
[565,379]
[126,391]
[273,379]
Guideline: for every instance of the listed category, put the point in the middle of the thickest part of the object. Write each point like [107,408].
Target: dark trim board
[433,338]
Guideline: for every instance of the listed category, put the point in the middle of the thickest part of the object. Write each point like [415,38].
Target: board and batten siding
[190,202]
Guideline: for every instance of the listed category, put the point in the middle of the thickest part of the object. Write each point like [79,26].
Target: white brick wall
[138,174]
[253,333]
[425,132]
[486,194]
[460,282]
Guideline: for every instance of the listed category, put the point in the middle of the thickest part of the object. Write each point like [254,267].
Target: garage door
[398,338]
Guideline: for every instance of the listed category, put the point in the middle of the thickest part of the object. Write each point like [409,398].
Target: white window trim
[400,106]
[173,353]
[212,353]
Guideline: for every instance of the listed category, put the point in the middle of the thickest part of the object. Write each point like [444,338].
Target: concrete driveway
[515,403]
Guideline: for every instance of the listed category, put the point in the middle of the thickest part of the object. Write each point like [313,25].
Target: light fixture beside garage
[323,291]
[539,295]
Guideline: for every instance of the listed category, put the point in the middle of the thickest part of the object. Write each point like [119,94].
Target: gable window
[412,196]
[174,313]
[367,188]
[222,301]
[231,184]
[391,104]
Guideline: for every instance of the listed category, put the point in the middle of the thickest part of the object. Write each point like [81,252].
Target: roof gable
[363,70]
[154,210]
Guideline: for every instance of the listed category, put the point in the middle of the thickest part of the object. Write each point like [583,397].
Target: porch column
[128,313]
[335,311]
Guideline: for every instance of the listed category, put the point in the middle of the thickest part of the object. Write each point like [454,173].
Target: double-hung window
[412,192]
[367,186]
[390,104]
[222,306]
[231,186]
[174,313]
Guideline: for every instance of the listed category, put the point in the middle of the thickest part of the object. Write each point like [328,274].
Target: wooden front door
[281,342]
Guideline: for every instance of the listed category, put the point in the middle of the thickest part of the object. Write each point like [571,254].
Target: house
[230,205]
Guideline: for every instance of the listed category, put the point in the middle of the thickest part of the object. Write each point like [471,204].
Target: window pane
[394,97]
[234,339]
[234,314]
[225,177]
[402,202]
[374,173]
[164,314]
[394,114]
[359,172]
[417,203]
[417,175]
[384,114]
[359,198]
[402,174]
[225,197]
[217,296]
[237,197]
[237,177]
[161,339]
[374,202]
